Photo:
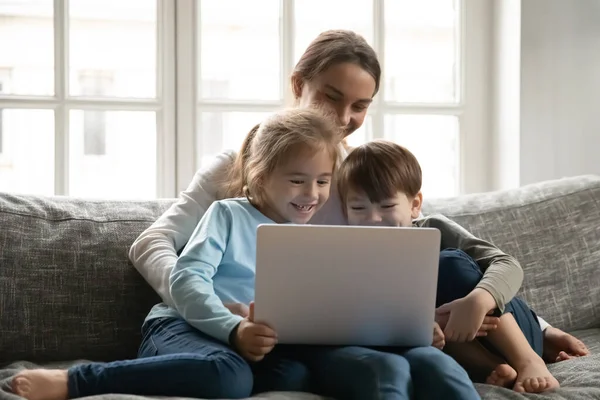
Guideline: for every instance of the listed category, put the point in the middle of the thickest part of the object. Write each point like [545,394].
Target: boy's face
[396,211]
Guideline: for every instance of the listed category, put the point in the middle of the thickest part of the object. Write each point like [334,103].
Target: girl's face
[296,190]
[345,88]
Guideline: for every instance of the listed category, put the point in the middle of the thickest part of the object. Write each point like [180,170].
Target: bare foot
[563,356]
[557,342]
[41,384]
[504,376]
[533,377]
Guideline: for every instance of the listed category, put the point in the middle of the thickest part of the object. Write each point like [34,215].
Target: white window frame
[61,103]
[5,76]
[471,109]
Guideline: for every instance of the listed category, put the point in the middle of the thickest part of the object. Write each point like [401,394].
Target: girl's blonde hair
[269,144]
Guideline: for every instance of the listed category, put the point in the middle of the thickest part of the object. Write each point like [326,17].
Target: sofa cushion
[553,229]
[67,288]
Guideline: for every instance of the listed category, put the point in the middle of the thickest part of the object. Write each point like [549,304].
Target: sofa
[69,293]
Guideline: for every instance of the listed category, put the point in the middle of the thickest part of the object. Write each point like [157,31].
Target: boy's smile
[396,211]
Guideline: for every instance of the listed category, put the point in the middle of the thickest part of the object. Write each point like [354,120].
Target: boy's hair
[379,169]
[281,136]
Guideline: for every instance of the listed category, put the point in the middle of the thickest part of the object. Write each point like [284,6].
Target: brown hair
[272,142]
[336,47]
[380,169]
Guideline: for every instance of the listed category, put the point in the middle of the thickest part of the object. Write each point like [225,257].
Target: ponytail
[237,183]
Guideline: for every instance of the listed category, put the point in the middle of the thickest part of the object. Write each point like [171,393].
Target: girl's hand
[465,317]
[253,340]
[238,309]
[438,337]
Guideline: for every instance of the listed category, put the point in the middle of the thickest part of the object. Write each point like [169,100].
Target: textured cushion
[67,288]
[553,229]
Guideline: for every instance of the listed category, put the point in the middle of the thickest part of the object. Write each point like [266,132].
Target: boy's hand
[438,337]
[253,341]
[466,318]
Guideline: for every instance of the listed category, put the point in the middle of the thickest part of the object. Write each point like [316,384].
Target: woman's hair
[336,47]
[379,169]
[281,136]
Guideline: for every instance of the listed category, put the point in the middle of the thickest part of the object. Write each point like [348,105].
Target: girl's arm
[191,281]
[502,274]
[154,252]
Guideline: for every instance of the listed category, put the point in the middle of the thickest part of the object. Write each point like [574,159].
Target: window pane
[27,156]
[113,48]
[361,135]
[112,154]
[239,49]
[420,51]
[315,16]
[27,47]
[221,131]
[434,140]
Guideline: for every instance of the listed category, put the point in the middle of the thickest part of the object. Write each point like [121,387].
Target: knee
[387,368]
[230,376]
[433,362]
[458,274]
[295,377]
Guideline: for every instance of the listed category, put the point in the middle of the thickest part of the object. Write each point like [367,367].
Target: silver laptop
[347,285]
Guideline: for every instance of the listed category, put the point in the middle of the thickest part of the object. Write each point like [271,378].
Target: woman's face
[344,88]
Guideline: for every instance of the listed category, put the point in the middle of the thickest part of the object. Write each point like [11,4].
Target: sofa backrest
[67,288]
[553,229]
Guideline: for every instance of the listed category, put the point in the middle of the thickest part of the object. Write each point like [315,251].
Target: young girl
[380,184]
[284,173]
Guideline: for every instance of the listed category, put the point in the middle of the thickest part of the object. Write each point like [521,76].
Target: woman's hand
[464,319]
[253,340]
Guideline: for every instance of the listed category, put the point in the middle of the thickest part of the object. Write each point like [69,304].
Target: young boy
[380,184]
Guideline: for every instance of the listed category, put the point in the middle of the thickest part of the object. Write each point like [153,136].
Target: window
[1,120]
[95,84]
[5,74]
[126,99]
[102,77]
[251,53]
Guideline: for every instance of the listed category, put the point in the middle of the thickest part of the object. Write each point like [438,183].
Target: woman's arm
[191,280]
[154,252]
[502,274]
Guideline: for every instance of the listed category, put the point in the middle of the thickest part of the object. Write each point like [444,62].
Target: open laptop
[347,285]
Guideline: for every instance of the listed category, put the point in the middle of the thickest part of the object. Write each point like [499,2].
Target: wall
[560,89]
[546,95]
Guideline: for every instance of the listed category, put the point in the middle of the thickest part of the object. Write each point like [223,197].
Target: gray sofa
[68,291]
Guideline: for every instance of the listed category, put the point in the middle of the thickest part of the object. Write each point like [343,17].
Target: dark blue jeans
[358,373]
[459,274]
[176,359]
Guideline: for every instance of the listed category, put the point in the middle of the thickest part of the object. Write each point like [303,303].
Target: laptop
[347,285]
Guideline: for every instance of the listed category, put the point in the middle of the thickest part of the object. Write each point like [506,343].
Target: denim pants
[177,360]
[459,274]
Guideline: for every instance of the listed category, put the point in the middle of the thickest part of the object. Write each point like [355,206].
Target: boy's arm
[502,274]
[191,284]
